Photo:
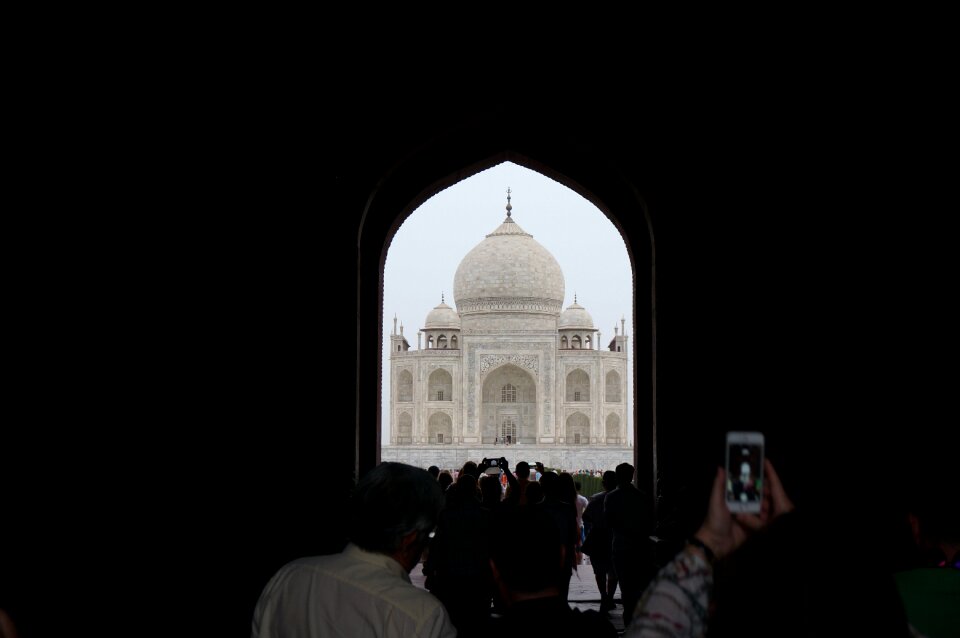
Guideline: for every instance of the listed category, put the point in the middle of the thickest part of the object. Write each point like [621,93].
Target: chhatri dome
[575,317]
[442,316]
[508,272]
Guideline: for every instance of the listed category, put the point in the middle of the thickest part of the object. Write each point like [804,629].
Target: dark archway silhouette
[418,179]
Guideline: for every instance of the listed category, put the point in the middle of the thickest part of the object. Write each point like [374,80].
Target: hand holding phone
[743,491]
[722,531]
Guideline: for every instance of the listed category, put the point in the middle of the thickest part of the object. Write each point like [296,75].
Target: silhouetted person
[533,494]
[434,471]
[528,565]
[458,567]
[365,590]
[465,488]
[628,514]
[523,479]
[565,515]
[599,542]
[445,480]
[491,490]
[470,467]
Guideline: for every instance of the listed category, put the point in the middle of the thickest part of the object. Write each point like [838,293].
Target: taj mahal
[507,373]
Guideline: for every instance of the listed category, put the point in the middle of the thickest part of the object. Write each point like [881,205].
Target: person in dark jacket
[628,514]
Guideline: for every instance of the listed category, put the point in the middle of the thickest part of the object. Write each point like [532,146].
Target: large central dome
[508,272]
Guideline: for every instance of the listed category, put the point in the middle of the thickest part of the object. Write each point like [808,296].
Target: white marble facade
[508,365]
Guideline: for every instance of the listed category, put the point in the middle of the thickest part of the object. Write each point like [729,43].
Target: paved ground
[583,592]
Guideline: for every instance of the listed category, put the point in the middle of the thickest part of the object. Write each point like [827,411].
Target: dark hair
[445,480]
[625,473]
[471,468]
[533,493]
[566,490]
[550,481]
[609,480]
[523,470]
[390,501]
[434,471]
[463,491]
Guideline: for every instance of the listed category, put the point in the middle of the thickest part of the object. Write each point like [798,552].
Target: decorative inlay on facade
[509,304]
[509,332]
[490,361]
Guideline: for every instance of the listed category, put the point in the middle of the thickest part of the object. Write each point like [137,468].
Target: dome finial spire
[509,207]
[574,297]
[441,297]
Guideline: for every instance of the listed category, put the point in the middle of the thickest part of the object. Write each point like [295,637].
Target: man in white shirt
[365,590]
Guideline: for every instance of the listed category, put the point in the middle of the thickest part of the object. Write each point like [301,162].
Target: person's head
[534,493]
[471,468]
[394,506]
[531,561]
[609,480]
[568,489]
[434,471]
[745,472]
[624,474]
[550,481]
[523,470]
[445,480]
[465,491]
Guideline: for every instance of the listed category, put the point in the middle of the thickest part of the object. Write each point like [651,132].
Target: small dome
[442,317]
[575,317]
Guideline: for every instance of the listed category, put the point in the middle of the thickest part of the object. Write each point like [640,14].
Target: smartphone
[744,487]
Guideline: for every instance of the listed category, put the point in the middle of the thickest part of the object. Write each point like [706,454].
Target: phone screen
[744,485]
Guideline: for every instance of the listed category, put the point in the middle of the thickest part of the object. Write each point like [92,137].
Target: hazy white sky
[428,247]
